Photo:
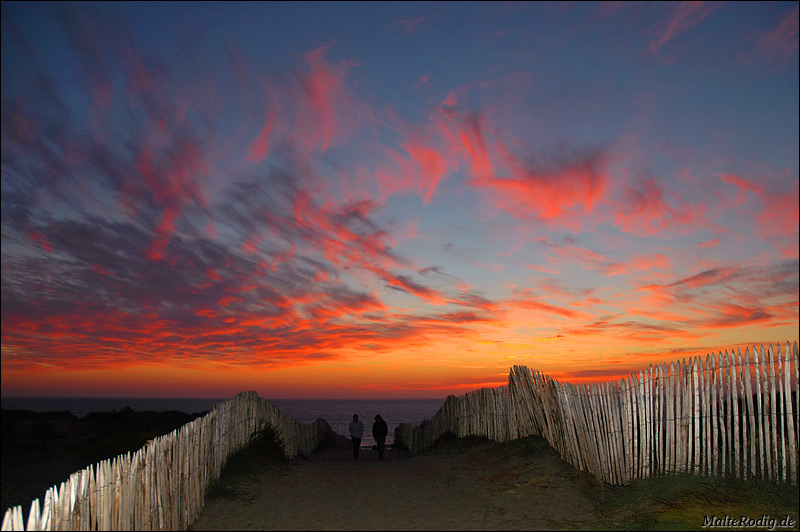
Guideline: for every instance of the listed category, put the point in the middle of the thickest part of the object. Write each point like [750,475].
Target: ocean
[337,412]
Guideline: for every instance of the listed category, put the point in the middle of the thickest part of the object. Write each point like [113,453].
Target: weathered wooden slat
[621,416]
[680,400]
[666,420]
[614,399]
[752,435]
[762,456]
[788,414]
[646,423]
[608,427]
[769,426]
[641,424]
[736,365]
[630,444]
[600,439]
[697,370]
[726,451]
[722,415]
[779,405]
[590,449]
[658,383]
[796,387]
[714,415]
[763,401]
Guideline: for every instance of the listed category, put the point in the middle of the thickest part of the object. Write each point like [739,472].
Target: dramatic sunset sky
[390,200]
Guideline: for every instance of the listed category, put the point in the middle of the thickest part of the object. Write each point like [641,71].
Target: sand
[472,484]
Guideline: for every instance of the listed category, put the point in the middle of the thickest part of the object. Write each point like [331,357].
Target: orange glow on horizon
[420,372]
[332,215]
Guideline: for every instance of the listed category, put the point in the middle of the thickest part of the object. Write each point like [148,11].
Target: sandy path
[475,485]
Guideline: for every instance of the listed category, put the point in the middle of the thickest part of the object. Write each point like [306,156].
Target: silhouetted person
[356,431]
[379,432]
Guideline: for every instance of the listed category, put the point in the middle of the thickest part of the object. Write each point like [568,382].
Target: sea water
[337,412]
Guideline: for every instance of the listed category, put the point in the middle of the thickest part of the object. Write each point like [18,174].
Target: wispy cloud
[410,25]
[781,43]
[685,16]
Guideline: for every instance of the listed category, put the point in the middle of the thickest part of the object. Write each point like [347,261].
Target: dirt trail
[464,485]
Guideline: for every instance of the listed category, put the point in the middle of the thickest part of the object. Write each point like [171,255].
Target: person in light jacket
[356,431]
[379,432]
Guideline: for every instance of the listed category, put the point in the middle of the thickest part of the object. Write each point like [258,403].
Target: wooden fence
[732,414]
[162,486]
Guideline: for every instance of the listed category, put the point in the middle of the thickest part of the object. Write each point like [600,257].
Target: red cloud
[714,242]
[729,315]
[707,277]
[648,208]
[260,147]
[657,296]
[560,192]
[560,188]
[470,135]
[40,239]
[570,251]
[312,110]
[637,264]
[779,213]
[528,302]
[325,111]
[431,164]
[405,284]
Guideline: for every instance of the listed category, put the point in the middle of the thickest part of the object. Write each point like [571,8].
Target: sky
[388,200]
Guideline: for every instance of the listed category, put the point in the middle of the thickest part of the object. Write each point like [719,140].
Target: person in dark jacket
[356,431]
[379,432]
